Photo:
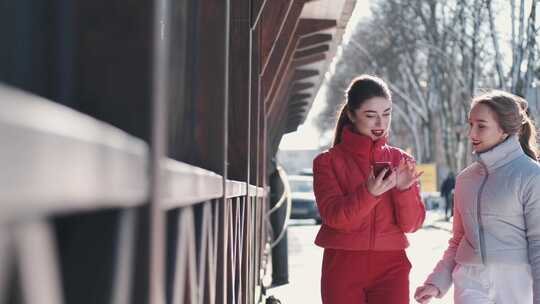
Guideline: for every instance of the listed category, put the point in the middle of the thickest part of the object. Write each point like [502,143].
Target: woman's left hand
[406,175]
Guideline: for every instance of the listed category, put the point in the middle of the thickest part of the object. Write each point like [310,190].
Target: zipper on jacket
[479,215]
[372,234]
[373,214]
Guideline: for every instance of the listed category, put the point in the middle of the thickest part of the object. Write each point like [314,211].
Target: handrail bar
[57,160]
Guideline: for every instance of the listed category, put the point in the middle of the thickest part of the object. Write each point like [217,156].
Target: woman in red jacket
[365,215]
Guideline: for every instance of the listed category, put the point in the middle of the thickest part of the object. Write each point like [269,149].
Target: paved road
[427,246]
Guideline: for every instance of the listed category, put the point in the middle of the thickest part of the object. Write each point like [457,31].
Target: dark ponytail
[343,120]
[528,138]
[361,89]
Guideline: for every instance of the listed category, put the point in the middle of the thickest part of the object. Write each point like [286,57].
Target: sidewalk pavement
[436,219]
[305,259]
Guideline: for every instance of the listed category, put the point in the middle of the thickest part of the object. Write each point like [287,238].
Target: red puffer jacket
[353,219]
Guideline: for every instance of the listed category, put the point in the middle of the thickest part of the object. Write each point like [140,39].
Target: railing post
[158,149]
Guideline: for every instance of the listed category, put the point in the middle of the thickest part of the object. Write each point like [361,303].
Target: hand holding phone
[378,167]
[381,179]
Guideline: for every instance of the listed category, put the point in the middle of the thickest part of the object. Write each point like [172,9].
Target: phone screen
[378,167]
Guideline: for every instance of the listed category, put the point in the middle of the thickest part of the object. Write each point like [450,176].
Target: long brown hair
[511,113]
[361,89]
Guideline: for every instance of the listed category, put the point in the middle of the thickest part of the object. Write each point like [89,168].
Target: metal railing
[74,213]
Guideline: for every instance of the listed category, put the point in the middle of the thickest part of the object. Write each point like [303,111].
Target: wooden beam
[300,96]
[291,116]
[240,97]
[277,59]
[303,102]
[118,93]
[277,114]
[300,86]
[312,40]
[210,108]
[286,88]
[257,111]
[292,126]
[281,96]
[295,120]
[279,21]
[277,93]
[305,27]
[308,60]
[290,129]
[240,10]
[312,51]
[298,108]
[296,117]
[308,26]
[300,74]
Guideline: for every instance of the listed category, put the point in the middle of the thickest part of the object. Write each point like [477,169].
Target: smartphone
[378,167]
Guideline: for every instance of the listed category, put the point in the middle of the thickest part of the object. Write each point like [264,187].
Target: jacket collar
[359,143]
[501,154]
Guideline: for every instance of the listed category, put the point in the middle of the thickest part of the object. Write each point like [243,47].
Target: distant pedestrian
[494,253]
[447,191]
[365,215]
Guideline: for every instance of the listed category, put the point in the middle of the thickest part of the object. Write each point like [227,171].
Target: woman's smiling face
[484,129]
[373,117]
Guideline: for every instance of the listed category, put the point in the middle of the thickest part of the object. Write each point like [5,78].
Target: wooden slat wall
[240,124]
[285,84]
[194,97]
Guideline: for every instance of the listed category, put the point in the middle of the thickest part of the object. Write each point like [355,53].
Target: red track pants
[365,277]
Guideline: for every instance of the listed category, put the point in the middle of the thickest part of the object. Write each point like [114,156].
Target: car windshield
[301,185]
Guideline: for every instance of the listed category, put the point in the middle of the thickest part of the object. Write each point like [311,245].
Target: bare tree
[496,45]
[435,55]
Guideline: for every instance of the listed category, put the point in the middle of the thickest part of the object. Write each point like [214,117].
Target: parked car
[306,171]
[303,199]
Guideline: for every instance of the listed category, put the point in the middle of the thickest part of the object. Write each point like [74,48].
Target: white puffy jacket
[497,215]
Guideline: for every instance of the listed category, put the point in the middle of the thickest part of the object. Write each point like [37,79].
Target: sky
[307,135]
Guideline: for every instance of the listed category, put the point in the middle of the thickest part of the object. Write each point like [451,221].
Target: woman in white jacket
[494,253]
